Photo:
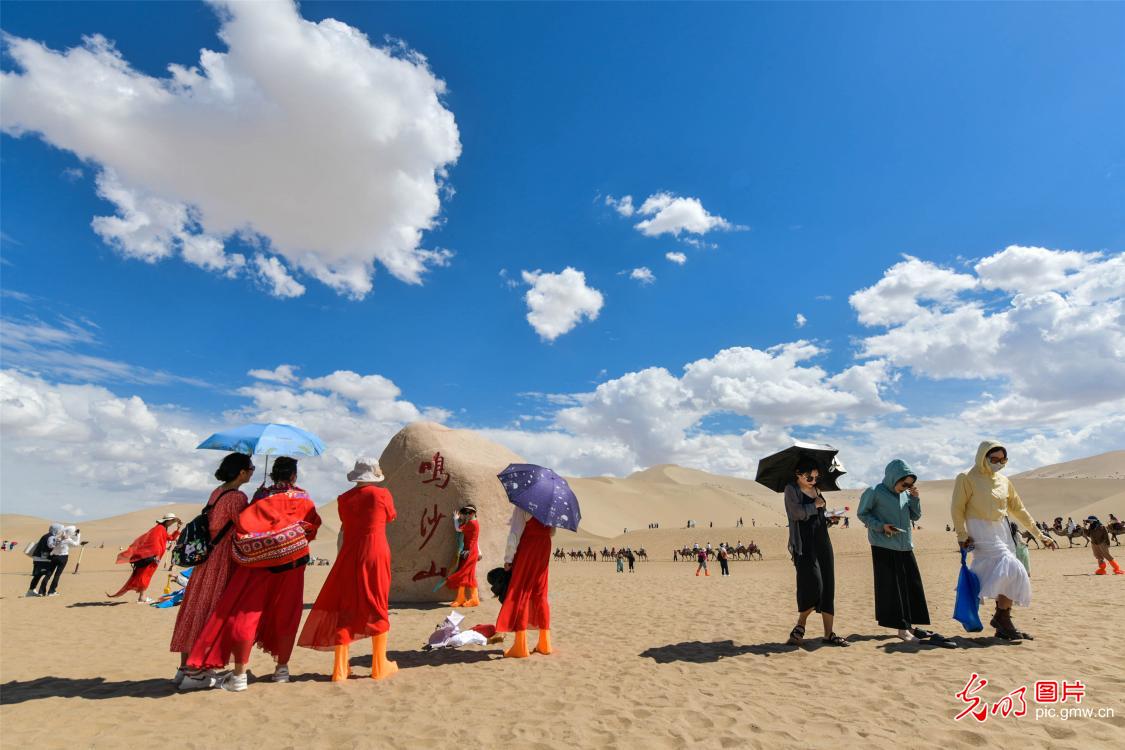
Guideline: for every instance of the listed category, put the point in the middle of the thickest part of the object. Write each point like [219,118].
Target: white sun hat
[366,470]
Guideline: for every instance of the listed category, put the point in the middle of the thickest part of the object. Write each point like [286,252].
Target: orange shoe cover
[544,644]
[474,598]
[460,600]
[380,667]
[340,667]
[519,647]
[1116,568]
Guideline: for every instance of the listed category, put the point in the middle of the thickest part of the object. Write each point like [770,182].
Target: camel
[641,554]
[1059,530]
[560,555]
[1114,528]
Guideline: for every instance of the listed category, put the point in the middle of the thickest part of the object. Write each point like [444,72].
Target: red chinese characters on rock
[439,477]
[433,572]
[429,525]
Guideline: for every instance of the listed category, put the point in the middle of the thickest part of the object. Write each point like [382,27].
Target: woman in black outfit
[811,550]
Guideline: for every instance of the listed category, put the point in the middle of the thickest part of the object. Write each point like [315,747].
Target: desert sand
[656,659]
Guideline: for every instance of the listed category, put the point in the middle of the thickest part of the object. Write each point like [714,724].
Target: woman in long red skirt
[209,578]
[465,577]
[259,605]
[528,556]
[144,555]
[352,604]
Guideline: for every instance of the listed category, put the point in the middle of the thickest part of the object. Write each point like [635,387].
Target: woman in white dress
[983,500]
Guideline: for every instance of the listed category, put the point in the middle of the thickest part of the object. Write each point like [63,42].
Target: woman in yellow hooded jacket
[983,498]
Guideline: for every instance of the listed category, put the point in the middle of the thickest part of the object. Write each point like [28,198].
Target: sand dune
[1104,466]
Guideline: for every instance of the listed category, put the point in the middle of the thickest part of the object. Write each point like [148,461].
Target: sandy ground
[660,658]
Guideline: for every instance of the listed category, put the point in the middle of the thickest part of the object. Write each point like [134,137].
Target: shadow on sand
[90,688]
[698,652]
[95,604]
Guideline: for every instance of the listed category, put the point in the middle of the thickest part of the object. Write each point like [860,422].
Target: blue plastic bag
[965,609]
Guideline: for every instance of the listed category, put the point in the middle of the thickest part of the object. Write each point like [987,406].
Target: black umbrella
[780,469]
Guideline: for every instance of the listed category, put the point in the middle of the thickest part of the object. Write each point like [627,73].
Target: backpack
[40,548]
[194,544]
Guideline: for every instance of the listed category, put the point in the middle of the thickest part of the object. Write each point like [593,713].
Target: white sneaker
[202,681]
[31,592]
[234,683]
[53,593]
[281,674]
[180,675]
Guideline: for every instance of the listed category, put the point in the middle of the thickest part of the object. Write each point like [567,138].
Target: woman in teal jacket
[888,510]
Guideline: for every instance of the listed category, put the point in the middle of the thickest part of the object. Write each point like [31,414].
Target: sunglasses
[810,477]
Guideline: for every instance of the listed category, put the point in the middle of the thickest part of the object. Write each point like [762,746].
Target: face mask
[997,465]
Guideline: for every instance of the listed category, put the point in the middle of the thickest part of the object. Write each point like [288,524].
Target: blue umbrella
[266,439]
[543,494]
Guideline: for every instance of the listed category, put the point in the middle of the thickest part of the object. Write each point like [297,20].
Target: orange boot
[544,645]
[1117,571]
[341,670]
[460,600]
[519,647]
[1101,569]
[380,667]
[474,599]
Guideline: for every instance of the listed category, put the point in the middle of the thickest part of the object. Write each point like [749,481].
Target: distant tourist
[41,565]
[60,555]
[724,566]
[631,558]
[701,559]
[1099,544]
[144,555]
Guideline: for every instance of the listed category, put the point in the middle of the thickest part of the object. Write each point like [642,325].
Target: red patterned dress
[260,605]
[209,578]
[353,601]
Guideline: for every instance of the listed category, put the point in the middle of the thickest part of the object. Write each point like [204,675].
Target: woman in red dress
[259,605]
[209,578]
[465,577]
[144,555]
[353,601]
[528,556]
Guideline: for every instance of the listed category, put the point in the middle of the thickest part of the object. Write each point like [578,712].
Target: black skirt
[816,575]
[900,600]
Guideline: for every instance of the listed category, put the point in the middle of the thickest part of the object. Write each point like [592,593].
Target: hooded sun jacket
[882,505]
[983,494]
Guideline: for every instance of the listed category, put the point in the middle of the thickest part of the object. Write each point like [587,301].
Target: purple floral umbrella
[543,494]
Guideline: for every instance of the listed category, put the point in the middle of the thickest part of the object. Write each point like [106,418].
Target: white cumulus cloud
[557,302]
[303,137]
[678,258]
[623,206]
[275,276]
[676,215]
[800,321]
[643,275]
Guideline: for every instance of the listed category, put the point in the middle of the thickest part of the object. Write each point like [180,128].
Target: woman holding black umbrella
[811,550]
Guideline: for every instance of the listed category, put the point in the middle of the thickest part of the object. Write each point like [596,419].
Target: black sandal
[795,636]
[834,640]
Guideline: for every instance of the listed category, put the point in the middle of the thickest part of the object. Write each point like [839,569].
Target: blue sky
[833,139]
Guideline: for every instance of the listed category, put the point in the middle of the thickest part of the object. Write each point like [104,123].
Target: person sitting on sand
[260,605]
[144,555]
[353,603]
[811,550]
[887,510]
[1099,544]
[528,556]
[983,499]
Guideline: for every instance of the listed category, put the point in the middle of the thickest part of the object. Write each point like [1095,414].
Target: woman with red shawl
[353,601]
[144,555]
[260,604]
[528,557]
[465,577]
[209,578]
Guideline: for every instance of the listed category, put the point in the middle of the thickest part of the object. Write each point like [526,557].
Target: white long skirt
[994,561]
